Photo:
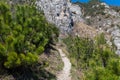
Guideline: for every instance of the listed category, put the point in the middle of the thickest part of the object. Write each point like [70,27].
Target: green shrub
[24,33]
[102,73]
[114,65]
[100,39]
[94,58]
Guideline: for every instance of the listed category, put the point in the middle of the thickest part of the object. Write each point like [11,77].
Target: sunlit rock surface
[62,13]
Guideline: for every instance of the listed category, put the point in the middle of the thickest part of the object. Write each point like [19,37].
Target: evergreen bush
[24,33]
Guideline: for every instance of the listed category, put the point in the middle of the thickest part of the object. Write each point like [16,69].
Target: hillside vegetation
[96,60]
[24,35]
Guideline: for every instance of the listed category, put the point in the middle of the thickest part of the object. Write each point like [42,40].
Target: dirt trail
[65,73]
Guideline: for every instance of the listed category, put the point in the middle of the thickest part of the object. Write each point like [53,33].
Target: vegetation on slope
[24,34]
[95,59]
[92,8]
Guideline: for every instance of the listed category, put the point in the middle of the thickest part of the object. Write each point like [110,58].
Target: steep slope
[106,19]
[61,12]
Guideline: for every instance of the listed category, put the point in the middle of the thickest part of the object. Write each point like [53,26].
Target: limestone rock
[61,12]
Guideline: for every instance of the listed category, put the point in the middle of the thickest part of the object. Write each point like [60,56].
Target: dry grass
[55,63]
[83,30]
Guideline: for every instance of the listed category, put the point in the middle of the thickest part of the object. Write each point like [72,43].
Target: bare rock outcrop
[61,12]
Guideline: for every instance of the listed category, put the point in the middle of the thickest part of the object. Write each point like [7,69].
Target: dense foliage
[24,33]
[94,58]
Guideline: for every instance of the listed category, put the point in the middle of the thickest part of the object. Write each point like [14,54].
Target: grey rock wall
[62,13]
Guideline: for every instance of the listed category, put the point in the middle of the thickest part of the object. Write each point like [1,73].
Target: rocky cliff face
[61,12]
[107,20]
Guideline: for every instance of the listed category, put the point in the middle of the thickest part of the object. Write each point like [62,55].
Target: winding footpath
[65,73]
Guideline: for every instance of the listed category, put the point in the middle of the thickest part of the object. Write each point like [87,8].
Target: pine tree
[24,33]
